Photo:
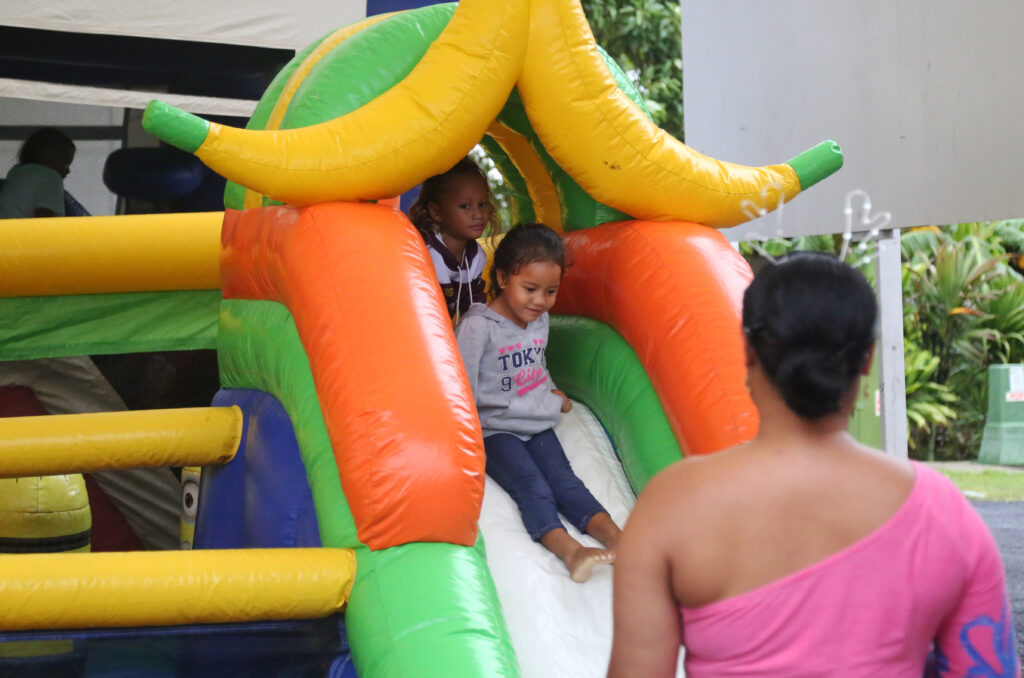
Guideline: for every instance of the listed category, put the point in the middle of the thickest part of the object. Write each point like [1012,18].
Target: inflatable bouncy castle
[343,509]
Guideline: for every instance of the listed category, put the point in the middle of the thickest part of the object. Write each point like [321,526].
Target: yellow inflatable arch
[351,120]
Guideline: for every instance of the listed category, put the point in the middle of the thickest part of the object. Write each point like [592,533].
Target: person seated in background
[803,553]
[148,497]
[35,186]
[453,210]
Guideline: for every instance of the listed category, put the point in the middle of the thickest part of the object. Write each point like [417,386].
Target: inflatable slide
[344,522]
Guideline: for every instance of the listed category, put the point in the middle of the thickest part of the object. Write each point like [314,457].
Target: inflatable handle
[78,443]
[100,255]
[817,163]
[178,128]
[104,590]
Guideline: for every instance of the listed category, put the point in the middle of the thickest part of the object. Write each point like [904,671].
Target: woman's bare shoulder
[689,488]
[697,471]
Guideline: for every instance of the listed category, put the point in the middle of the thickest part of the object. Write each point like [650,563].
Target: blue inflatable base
[291,649]
[261,498]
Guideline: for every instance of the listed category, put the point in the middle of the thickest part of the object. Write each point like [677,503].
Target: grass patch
[994,485]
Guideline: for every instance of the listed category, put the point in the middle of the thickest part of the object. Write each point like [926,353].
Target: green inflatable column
[429,611]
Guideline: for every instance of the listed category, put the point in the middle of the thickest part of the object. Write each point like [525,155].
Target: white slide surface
[560,629]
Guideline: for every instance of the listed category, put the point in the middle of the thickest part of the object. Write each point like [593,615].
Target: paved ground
[1006,520]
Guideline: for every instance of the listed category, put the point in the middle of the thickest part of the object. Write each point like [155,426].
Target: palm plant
[929,404]
[1000,333]
[945,293]
[961,307]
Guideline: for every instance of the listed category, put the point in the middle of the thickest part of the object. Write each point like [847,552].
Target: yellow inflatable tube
[76,443]
[94,255]
[539,185]
[420,127]
[163,588]
[600,137]
[252,198]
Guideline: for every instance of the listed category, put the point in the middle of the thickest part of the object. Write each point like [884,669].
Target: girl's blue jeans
[538,477]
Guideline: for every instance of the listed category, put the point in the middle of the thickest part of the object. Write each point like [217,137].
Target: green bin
[1002,441]
[866,422]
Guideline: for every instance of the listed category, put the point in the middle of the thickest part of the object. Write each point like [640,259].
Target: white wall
[269,23]
[926,98]
[86,179]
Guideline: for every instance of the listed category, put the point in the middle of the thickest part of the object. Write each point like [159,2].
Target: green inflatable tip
[816,163]
[174,126]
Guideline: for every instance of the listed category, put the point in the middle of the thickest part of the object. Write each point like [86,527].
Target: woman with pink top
[803,553]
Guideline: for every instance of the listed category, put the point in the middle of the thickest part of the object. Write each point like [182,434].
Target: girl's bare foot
[602,528]
[580,560]
[581,563]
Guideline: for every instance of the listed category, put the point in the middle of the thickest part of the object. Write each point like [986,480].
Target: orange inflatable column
[674,291]
[396,402]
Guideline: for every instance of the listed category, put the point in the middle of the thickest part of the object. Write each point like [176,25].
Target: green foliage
[645,38]
[1001,328]
[928,402]
[1011,233]
[859,256]
[963,310]
[501,197]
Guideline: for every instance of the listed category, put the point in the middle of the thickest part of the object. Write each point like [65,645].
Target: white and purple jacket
[462,282]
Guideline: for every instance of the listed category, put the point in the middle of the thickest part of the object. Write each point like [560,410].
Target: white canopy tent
[47,73]
[255,23]
[263,23]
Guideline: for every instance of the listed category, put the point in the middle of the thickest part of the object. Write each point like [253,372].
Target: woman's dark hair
[810,320]
[433,189]
[524,245]
[39,142]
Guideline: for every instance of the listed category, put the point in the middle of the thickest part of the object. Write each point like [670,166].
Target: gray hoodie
[508,372]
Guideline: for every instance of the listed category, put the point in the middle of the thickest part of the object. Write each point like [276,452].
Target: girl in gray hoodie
[502,345]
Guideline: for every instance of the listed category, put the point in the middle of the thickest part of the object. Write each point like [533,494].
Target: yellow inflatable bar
[94,255]
[78,443]
[420,127]
[163,588]
[542,191]
[252,198]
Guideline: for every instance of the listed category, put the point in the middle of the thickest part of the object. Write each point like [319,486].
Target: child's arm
[471,336]
[566,403]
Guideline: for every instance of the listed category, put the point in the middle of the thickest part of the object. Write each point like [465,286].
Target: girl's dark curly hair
[524,245]
[433,189]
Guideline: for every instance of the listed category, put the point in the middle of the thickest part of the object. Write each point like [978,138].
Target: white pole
[892,382]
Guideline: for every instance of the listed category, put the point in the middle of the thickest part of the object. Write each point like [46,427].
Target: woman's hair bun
[811,383]
[810,320]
